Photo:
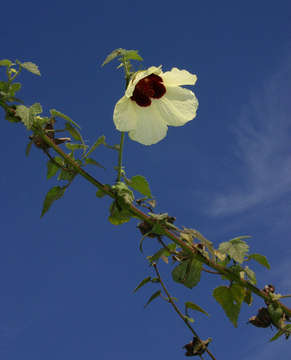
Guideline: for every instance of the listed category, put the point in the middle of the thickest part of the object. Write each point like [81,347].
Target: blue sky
[67,279]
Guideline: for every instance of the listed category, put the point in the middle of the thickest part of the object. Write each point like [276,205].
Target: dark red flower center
[149,87]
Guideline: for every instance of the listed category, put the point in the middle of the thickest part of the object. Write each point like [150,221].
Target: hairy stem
[166,232]
[120,154]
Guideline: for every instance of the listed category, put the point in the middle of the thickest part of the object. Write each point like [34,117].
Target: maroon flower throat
[149,87]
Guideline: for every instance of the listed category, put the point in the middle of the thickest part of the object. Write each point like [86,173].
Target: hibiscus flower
[153,101]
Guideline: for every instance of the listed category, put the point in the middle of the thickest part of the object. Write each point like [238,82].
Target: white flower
[152,101]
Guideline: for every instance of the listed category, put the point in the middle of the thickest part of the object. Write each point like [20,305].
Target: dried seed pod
[262,319]
[196,347]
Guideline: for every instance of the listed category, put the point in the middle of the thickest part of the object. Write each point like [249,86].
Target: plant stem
[126,66]
[177,309]
[120,154]
[142,216]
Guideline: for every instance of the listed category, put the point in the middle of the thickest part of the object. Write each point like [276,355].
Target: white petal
[177,106]
[177,77]
[150,127]
[140,75]
[124,115]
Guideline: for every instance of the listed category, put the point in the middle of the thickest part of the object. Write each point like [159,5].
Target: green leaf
[286,330]
[52,169]
[73,147]
[140,184]
[56,113]
[6,62]
[114,54]
[188,273]
[125,195]
[230,298]
[162,252]
[28,148]
[14,88]
[35,109]
[53,194]
[141,242]
[4,86]
[235,248]
[248,299]
[261,259]
[118,215]
[93,162]
[23,112]
[142,283]
[74,132]
[125,54]
[277,335]
[275,312]
[133,55]
[251,275]
[100,193]
[29,66]
[98,142]
[66,175]
[27,115]
[188,318]
[191,305]
[154,296]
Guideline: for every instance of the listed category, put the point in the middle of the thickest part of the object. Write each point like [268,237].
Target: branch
[187,247]
[170,300]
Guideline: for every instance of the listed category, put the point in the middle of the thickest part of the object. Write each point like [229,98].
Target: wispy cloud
[263,147]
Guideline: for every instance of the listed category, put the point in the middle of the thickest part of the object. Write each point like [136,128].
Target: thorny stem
[170,300]
[188,248]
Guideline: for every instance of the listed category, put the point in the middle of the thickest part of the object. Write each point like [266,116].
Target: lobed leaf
[27,115]
[235,248]
[23,112]
[29,66]
[188,272]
